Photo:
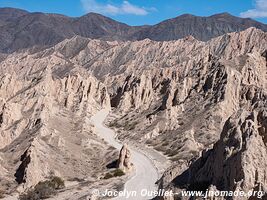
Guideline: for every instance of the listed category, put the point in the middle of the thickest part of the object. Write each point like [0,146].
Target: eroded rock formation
[45,109]
[124,161]
[179,97]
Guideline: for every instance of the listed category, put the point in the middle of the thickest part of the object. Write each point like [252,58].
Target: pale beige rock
[175,96]
[124,161]
[44,110]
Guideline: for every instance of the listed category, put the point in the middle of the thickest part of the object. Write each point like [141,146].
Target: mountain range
[21,29]
[192,109]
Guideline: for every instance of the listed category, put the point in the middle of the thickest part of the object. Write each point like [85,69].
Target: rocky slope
[45,109]
[202,28]
[124,161]
[236,161]
[21,29]
[9,14]
[184,107]
[179,97]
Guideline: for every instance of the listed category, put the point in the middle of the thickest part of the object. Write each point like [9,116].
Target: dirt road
[145,172]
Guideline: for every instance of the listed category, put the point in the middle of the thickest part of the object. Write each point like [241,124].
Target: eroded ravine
[146,174]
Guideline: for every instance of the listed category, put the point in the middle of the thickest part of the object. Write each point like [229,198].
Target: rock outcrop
[45,109]
[21,29]
[236,162]
[124,161]
[179,97]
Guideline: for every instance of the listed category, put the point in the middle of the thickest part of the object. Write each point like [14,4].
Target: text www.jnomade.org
[165,193]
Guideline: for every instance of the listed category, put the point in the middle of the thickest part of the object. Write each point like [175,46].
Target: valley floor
[143,178]
[145,175]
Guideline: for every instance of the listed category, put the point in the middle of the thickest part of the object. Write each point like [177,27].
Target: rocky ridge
[179,97]
[21,29]
[45,110]
[124,162]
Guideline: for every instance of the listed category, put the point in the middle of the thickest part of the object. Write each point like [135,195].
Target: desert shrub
[114,173]
[57,182]
[118,172]
[29,195]
[44,189]
[108,176]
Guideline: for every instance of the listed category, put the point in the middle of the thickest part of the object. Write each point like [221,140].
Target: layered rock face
[179,97]
[124,162]
[237,160]
[45,108]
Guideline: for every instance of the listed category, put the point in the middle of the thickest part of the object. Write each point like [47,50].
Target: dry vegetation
[114,173]
[44,189]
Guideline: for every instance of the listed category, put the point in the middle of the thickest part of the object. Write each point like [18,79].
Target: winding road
[145,175]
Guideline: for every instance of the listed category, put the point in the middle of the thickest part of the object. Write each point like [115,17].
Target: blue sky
[137,12]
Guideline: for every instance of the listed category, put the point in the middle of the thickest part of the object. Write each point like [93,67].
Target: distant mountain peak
[95,15]
[223,14]
[11,13]
[9,9]
[40,29]
[92,14]
[187,15]
[98,17]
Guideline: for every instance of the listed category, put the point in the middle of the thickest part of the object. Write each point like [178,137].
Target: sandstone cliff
[179,97]
[124,162]
[45,109]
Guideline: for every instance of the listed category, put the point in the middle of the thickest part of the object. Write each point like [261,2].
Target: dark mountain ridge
[21,29]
